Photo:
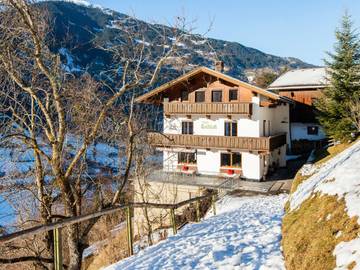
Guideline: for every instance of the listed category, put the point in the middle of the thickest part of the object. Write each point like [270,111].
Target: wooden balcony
[218,142]
[207,108]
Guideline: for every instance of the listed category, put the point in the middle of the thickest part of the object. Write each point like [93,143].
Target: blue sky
[302,28]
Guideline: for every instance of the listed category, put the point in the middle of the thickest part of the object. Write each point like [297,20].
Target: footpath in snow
[245,234]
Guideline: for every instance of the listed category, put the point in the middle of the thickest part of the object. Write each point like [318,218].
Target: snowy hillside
[245,234]
[334,183]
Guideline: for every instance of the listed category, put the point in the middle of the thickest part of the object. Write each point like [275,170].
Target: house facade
[303,86]
[216,125]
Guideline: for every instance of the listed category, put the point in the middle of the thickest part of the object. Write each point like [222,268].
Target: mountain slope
[77,28]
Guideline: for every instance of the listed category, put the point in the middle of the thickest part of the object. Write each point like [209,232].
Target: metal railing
[57,226]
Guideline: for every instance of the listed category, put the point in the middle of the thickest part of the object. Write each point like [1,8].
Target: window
[231,160]
[233,94]
[187,127]
[199,96]
[184,95]
[230,129]
[312,130]
[216,96]
[187,158]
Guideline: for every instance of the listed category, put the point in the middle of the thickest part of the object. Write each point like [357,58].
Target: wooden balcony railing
[207,108]
[218,142]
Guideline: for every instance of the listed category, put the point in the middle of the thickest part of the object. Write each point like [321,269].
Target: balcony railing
[207,108]
[218,142]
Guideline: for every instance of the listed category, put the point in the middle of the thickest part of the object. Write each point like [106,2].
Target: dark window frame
[197,93]
[230,128]
[187,127]
[213,97]
[184,95]
[232,158]
[187,158]
[231,92]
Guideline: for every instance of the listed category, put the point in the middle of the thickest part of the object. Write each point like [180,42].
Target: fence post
[173,220]
[58,263]
[197,205]
[213,202]
[129,231]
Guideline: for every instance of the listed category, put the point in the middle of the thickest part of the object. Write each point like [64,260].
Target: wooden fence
[57,226]
[208,108]
[218,142]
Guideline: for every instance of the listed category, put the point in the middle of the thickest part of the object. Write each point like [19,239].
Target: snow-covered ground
[339,176]
[245,234]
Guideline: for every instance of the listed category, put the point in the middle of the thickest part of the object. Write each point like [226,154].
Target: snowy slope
[339,176]
[245,234]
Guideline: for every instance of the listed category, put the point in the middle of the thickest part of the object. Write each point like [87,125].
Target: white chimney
[219,66]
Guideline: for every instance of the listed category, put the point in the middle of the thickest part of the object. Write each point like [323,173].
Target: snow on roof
[301,78]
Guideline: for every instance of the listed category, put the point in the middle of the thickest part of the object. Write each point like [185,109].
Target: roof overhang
[297,87]
[219,75]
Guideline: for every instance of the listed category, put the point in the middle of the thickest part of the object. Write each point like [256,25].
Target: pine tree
[336,107]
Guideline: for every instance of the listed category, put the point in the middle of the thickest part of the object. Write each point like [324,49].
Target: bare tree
[57,116]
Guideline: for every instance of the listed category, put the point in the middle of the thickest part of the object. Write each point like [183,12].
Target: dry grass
[309,234]
[323,155]
[113,252]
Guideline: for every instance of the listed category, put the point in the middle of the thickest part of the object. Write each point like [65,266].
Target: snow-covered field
[338,176]
[245,234]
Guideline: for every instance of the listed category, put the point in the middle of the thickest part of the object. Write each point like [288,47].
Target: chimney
[219,66]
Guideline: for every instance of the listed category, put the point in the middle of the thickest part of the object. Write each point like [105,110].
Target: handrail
[72,220]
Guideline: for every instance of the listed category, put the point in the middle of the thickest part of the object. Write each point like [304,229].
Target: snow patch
[347,253]
[79,2]
[339,177]
[70,65]
[245,234]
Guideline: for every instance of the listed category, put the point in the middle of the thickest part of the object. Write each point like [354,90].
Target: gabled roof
[211,72]
[301,79]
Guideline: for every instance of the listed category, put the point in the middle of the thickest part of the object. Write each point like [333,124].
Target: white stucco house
[216,125]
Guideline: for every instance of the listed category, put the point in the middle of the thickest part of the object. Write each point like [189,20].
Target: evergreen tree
[336,107]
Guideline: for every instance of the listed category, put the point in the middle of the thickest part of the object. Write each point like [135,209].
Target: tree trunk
[75,254]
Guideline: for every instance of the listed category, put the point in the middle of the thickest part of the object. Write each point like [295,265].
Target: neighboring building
[303,86]
[216,125]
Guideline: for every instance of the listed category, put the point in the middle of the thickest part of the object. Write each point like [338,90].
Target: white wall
[170,161]
[299,131]
[251,166]
[208,162]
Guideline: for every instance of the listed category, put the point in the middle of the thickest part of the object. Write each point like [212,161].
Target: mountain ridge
[77,26]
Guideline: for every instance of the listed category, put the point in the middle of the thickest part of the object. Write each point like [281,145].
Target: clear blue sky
[298,28]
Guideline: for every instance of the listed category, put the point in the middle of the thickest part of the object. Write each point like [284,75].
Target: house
[303,86]
[216,125]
